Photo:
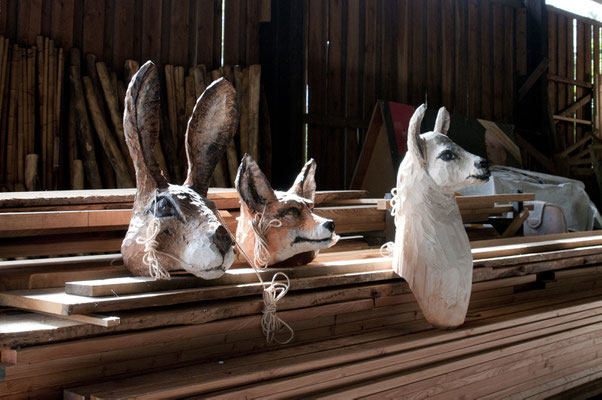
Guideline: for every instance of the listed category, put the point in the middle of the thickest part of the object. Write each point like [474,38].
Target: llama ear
[415,142]
[305,183]
[252,185]
[210,129]
[141,127]
[442,122]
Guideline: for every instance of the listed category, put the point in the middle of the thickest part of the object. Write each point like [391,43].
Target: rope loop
[260,226]
[155,270]
[271,324]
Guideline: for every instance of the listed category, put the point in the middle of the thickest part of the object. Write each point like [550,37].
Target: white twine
[271,324]
[155,270]
[260,226]
[386,250]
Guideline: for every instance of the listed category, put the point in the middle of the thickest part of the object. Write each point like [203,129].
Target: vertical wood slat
[460,58]
[570,61]
[447,54]
[509,67]
[486,77]
[417,10]
[473,49]
[353,76]
[580,74]
[562,71]
[553,55]
[402,52]
[93,28]
[498,58]
[317,36]
[434,17]
[333,174]
[151,28]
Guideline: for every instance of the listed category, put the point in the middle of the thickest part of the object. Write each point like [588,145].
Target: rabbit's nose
[221,238]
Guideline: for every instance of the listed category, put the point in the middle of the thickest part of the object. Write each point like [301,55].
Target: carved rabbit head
[175,227]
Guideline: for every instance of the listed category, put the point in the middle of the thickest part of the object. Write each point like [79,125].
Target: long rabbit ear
[442,122]
[210,129]
[141,127]
[252,185]
[415,143]
[305,184]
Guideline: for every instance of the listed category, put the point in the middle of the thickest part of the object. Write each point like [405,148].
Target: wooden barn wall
[177,32]
[574,59]
[462,54]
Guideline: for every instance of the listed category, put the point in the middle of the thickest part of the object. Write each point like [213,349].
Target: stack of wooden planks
[79,325]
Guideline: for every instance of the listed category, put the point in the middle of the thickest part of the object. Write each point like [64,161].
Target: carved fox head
[296,230]
[184,230]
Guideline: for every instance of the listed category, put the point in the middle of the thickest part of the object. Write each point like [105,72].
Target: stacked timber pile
[97,115]
[43,147]
[81,325]
[31,89]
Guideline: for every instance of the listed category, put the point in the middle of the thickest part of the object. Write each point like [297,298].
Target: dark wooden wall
[177,32]
[462,54]
[574,54]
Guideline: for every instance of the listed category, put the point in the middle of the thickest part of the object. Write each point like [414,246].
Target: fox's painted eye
[293,212]
[447,155]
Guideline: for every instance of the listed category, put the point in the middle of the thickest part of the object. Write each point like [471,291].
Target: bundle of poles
[43,147]
[31,89]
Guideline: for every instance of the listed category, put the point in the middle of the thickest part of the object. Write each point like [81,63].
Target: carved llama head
[175,227]
[431,250]
[449,165]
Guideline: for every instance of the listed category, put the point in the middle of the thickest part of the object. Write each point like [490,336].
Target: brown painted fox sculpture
[276,227]
[175,227]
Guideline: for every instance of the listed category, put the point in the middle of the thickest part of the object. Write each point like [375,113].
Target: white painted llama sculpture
[431,251]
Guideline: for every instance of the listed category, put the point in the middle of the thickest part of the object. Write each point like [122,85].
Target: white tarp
[579,211]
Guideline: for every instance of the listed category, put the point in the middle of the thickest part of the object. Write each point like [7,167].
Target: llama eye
[447,155]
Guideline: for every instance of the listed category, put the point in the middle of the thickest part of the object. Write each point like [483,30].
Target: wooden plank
[57,302]
[333,363]
[129,285]
[224,198]
[474,59]
[178,37]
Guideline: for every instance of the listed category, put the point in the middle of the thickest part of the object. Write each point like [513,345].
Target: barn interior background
[323,65]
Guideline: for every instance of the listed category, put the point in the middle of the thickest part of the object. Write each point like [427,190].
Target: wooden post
[21,129]
[3,104]
[129,70]
[44,115]
[31,172]
[77,175]
[11,141]
[254,89]
[199,81]
[82,124]
[171,103]
[49,167]
[180,93]
[108,142]
[244,112]
[116,115]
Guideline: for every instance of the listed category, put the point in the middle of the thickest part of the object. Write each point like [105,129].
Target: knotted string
[260,226]
[155,270]
[271,324]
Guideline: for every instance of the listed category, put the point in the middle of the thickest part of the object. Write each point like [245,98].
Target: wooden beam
[576,105]
[537,73]
[568,81]
[574,120]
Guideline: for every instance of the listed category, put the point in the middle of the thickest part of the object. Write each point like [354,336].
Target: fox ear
[252,186]
[442,122]
[305,184]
